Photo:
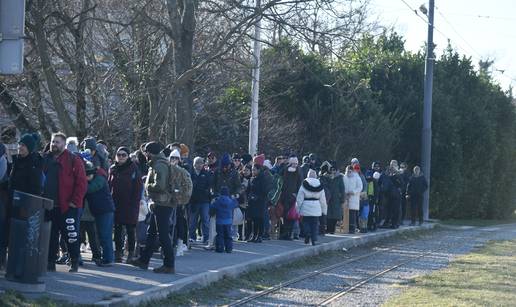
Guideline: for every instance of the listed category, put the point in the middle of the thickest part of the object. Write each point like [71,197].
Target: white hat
[354,160]
[175,154]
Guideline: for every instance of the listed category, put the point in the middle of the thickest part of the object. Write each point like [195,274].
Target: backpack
[180,185]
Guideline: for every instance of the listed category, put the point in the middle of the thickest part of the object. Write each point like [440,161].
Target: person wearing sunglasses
[126,185]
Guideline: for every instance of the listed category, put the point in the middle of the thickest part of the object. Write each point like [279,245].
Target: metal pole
[426,150]
[255,87]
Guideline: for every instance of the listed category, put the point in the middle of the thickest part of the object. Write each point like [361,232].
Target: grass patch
[479,222]
[15,299]
[485,277]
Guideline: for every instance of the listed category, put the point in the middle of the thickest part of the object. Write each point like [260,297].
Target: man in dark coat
[27,170]
[200,200]
[416,187]
[126,187]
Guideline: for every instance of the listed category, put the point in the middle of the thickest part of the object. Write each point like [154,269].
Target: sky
[477,28]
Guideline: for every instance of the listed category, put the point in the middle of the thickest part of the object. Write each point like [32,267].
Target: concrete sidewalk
[123,284]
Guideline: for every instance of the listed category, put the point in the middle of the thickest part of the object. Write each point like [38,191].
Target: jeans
[160,223]
[266,224]
[120,237]
[90,229]
[105,231]
[311,227]
[223,240]
[200,211]
[69,226]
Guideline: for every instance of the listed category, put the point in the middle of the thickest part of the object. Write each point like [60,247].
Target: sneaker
[64,259]
[209,247]
[164,270]
[179,251]
[138,263]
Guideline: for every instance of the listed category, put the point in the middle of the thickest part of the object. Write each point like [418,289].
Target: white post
[255,87]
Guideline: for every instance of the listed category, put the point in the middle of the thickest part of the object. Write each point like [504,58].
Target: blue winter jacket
[224,206]
[99,198]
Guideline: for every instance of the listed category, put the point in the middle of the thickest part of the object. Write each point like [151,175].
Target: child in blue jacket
[223,207]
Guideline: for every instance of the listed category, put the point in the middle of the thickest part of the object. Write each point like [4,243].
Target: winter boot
[74,268]
[118,256]
[130,256]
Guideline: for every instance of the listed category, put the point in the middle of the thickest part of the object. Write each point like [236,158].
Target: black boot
[74,268]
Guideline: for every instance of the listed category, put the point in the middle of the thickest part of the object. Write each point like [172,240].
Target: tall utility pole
[426,150]
[255,87]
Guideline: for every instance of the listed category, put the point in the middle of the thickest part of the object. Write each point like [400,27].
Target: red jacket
[72,180]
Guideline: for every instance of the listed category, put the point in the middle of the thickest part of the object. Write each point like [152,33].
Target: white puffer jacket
[311,200]
[353,185]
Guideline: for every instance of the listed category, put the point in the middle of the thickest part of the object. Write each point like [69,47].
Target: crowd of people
[131,204]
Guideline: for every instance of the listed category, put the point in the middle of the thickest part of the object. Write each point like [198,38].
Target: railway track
[348,288]
[306,276]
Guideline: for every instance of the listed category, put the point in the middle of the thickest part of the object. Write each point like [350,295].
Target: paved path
[122,284]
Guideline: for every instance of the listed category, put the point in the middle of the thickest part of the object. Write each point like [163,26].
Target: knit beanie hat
[355,161]
[124,149]
[198,160]
[153,148]
[175,154]
[90,143]
[226,160]
[29,141]
[246,158]
[259,160]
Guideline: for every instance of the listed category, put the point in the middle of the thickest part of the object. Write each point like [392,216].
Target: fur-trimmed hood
[312,185]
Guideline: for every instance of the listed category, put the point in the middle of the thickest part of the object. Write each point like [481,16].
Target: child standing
[223,208]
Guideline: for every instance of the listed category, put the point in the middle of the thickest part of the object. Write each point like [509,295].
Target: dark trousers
[393,210]
[257,227]
[353,216]
[223,240]
[322,225]
[331,224]
[181,225]
[69,226]
[416,208]
[4,226]
[90,229]
[403,213]
[374,217]
[311,227]
[130,230]
[160,223]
